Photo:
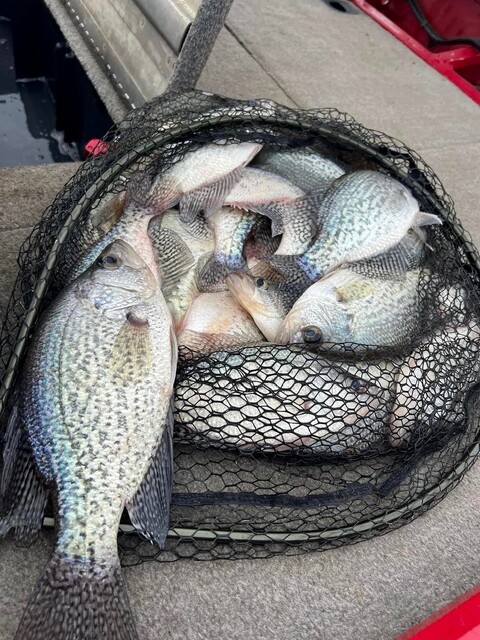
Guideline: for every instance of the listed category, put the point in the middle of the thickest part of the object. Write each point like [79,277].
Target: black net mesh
[284,449]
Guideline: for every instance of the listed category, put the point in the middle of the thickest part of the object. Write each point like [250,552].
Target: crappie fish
[200,181]
[363,214]
[236,400]
[346,307]
[139,205]
[182,248]
[95,402]
[293,214]
[231,229]
[216,321]
[267,301]
[432,382]
[238,250]
[308,170]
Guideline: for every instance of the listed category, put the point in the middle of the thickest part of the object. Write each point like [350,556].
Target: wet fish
[202,178]
[305,168]
[267,301]
[231,228]
[236,400]
[95,404]
[182,248]
[363,214]
[260,243]
[139,205]
[293,214]
[216,321]
[432,382]
[346,307]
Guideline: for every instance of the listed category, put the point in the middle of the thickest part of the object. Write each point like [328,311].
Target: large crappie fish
[363,214]
[346,307]
[95,403]
[433,380]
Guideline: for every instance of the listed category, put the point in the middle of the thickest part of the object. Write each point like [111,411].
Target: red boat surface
[446,34]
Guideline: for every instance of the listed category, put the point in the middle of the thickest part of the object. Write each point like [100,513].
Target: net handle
[198,44]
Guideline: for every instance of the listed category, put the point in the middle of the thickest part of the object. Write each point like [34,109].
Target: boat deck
[301,53]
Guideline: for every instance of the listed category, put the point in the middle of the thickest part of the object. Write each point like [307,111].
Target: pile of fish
[234,246]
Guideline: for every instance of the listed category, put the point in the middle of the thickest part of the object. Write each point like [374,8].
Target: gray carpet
[300,52]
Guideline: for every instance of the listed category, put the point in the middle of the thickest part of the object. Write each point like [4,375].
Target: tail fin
[76,600]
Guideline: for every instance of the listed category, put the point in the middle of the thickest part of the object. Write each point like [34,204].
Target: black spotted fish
[95,404]
[363,214]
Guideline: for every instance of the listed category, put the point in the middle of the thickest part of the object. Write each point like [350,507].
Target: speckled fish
[231,228]
[183,248]
[433,381]
[267,301]
[202,178]
[235,400]
[139,204]
[363,214]
[346,307]
[95,403]
[305,168]
[293,214]
[216,321]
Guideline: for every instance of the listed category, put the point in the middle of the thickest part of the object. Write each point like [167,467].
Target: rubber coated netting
[287,449]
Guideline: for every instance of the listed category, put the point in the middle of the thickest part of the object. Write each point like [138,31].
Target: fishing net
[286,449]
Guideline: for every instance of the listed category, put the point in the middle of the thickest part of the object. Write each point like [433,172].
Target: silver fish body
[308,170]
[346,307]
[236,400]
[432,382]
[95,403]
[182,249]
[216,321]
[363,214]
[231,228]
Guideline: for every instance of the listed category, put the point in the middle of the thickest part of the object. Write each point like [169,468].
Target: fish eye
[109,262]
[311,334]
[261,283]
[359,386]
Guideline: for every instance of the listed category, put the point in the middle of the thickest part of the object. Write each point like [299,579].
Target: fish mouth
[241,286]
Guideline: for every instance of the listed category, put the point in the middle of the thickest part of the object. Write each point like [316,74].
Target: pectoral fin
[149,510]
[131,357]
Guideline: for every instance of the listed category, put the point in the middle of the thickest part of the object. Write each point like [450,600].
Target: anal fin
[149,509]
